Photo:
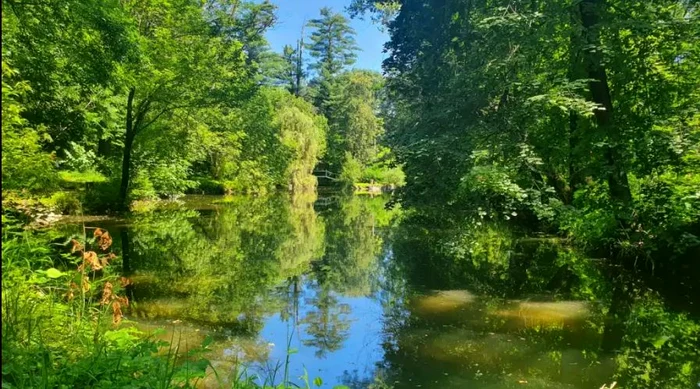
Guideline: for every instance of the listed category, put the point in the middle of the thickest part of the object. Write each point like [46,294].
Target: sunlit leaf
[54,273]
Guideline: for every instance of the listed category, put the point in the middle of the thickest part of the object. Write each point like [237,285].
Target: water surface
[346,289]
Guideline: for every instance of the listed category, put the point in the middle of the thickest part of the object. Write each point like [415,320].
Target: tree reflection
[353,243]
[327,324]
[216,266]
[542,313]
[348,267]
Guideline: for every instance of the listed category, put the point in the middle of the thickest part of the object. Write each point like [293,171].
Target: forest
[150,100]
[575,121]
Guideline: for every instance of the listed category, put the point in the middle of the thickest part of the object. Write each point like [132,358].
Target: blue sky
[292,14]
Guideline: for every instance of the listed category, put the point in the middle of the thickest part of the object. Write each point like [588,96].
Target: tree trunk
[128,145]
[574,179]
[299,63]
[600,93]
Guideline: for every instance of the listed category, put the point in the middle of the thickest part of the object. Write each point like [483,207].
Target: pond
[360,293]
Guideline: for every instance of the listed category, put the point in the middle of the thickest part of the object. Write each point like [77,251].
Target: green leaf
[318,381]
[660,342]
[207,341]
[54,273]
[341,387]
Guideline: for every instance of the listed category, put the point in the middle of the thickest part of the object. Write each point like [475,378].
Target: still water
[365,295]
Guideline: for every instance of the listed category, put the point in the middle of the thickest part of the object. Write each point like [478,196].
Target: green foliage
[577,117]
[353,119]
[78,158]
[352,170]
[384,170]
[656,342]
[64,202]
[332,42]
[170,92]
[384,175]
[303,135]
[175,96]
[24,164]
[81,177]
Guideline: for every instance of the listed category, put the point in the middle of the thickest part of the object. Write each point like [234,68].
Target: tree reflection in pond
[367,298]
[539,313]
[327,325]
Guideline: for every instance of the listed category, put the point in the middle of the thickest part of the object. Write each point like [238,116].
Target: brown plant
[105,240]
[106,293]
[76,246]
[125,282]
[90,258]
[123,300]
[70,295]
[116,312]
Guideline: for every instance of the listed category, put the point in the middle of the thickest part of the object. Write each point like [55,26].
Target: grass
[76,177]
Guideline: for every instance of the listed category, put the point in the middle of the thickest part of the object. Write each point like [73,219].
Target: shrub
[384,175]
[206,185]
[102,196]
[66,203]
[352,170]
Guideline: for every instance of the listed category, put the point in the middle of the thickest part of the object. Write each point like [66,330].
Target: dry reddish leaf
[116,312]
[90,258]
[106,258]
[76,246]
[123,300]
[125,282]
[106,293]
[105,241]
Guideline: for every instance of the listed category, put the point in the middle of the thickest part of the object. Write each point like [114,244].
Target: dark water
[345,289]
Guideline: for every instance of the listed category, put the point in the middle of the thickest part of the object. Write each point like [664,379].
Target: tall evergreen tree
[333,46]
[332,42]
[289,55]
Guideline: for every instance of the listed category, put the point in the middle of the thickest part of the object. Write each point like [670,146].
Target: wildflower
[123,300]
[85,284]
[71,294]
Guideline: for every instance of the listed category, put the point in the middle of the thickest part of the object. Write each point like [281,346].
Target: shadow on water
[366,295]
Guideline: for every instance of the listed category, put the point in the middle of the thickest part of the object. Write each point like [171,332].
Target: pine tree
[332,42]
